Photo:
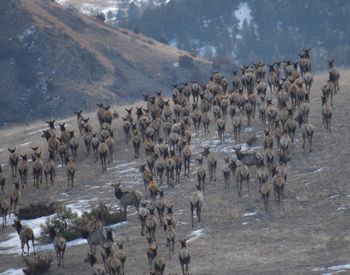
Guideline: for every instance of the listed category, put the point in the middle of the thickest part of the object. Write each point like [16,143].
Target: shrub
[37,266]
[101,16]
[70,225]
[136,30]
[36,210]
[186,61]
[163,40]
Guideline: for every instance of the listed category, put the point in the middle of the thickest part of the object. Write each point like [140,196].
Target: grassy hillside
[54,60]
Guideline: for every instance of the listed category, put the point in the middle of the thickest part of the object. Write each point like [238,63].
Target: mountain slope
[55,60]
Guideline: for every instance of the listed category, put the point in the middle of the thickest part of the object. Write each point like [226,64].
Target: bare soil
[306,236]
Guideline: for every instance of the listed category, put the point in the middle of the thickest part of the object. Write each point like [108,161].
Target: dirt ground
[308,235]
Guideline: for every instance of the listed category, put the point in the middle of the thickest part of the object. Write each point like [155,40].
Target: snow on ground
[12,272]
[243,13]
[195,235]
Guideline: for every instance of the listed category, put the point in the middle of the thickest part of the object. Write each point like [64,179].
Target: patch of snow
[176,64]
[333,196]
[195,235]
[317,170]
[248,129]
[26,33]
[12,272]
[243,13]
[248,214]
[338,267]
[116,225]
[245,223]
[25,144]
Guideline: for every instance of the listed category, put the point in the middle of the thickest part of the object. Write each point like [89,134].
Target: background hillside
[55,60]
[252,30]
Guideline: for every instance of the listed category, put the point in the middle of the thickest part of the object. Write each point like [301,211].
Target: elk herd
[163,127]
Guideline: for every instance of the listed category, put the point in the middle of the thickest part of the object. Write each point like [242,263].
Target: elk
[4,209]
[23,169]
[97,268]
[178,165]
[159,264]
[113,264]
[227,173]
[127,197]
[59,243]
[278,187]
[221,128]
[64,133]
[212,162]
[70,170]
[143,214]
[146,176]
[121,255]
[110,142]
[151,251]
[79,121]
[242,173]
[38,167]
[328,90]
[50,168]
[264,190]
[187,153]
[151,222]
[184,257]
[248,158]
[13,161]
[170,235]
[87,139]
[25,234]
[206,122]
[170,167]
[197,202]
[333,75]
[272,78]
[326,113]
[307,130]
[62,150]
[52,143]
[201,174]
[196,117]
[73,144]
[263,175]
[136,141]
[237,126]
[235,81]
[103,152]
[14,197]
[160,167]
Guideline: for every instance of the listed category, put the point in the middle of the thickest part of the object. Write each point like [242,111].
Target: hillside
[309,234]
[252,30]
[54,60]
